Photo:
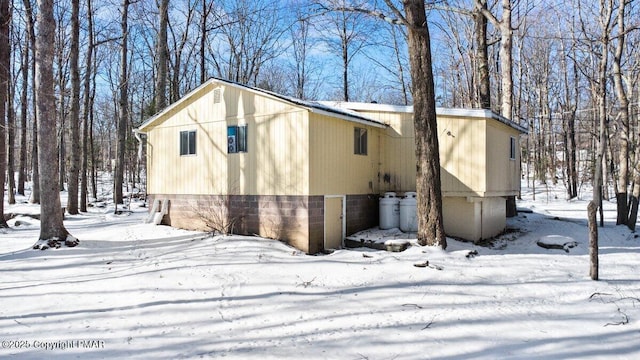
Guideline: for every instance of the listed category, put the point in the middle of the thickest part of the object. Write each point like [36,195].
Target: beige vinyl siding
[474,218]
[462,155]
[503,173]
[276,161]
[398,160]
[334,168]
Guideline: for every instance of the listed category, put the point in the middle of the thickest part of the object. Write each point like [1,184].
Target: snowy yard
[132,290]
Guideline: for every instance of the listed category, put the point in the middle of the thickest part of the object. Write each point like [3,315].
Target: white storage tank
[409,213]
[389,211]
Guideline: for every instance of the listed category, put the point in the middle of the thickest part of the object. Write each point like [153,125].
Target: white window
[188,142]
[360,141]
[236,139]
[512,151]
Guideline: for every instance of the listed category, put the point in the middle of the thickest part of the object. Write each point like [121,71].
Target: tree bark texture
[5,61]
[87,110]
[482,58]
[506,60]
[633,203]
[505,53]
[598,179]
[344,38]
[35,169]
[123,108]
[430,224]
[22,162]
[593,240]
[75,149]
[623,125]
[163,50]
[11,133]
[52,227]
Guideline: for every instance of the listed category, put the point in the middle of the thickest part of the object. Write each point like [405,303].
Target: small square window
[360,141]
[236,139]
[188,142]
[512,151]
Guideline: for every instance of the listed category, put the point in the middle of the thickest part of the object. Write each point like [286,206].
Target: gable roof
[312,106]
[472,113]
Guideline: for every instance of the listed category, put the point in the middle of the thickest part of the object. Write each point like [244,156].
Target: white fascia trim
[347,118]
[440,111]
[362,106]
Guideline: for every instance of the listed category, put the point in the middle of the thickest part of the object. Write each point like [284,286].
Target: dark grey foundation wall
[296,220]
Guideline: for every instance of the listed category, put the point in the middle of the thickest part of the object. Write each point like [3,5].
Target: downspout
[136,134]
[481,220]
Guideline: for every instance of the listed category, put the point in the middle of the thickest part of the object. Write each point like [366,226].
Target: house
[479,163]
[229,156]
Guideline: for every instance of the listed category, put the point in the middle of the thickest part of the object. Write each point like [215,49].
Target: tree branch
[374,13]
[487,14]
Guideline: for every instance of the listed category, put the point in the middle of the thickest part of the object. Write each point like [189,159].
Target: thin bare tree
[24,105]
[74,113]
[123,106]
[5,63]
[52,230]
[506,56]
[162,50]
[35,168]
[11,122]
[86,136]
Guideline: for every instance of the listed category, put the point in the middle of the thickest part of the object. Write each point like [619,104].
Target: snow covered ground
[132,290]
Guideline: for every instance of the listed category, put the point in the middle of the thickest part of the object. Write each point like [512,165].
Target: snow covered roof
[312,106]
[472,113]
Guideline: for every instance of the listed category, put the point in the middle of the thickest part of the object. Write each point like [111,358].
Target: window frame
[237,135]
[512,148]
[360,141]
[188,143]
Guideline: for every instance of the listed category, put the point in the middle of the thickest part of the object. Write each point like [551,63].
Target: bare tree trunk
[506,56]
[593,240]
[345,61]
[11,133]
[206,8]
[123,111]
[87,110]
[5,63]
[74,166]
[35,191]
[569,126]
[24,68]
[62,112]
[623,126]
[430,225]
[633,202]
[163,50]
[397,51]
[506,60]
[92,152]
[52,230]
[300,46]
[598,181]
[482,57]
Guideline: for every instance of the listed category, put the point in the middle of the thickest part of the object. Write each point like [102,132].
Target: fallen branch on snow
[426,264]
[625,319]
[566,246]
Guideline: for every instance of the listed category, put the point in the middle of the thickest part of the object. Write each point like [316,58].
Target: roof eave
[347,117]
